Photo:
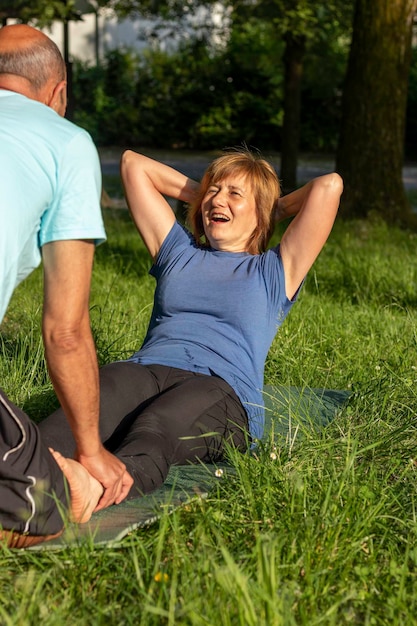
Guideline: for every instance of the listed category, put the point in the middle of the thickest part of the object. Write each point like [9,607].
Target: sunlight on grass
[317,528]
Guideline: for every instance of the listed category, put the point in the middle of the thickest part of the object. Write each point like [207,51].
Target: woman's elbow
[132,166]
[126,162]
[335,183]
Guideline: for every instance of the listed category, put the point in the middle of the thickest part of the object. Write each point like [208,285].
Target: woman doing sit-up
[196,383]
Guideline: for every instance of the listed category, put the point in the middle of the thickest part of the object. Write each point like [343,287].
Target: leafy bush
[191,98]
[104,98]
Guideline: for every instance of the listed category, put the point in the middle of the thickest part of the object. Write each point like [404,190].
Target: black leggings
[154,416]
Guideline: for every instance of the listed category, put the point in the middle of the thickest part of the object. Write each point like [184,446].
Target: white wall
[112,34]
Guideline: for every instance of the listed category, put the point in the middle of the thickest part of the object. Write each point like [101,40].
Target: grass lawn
[321,531]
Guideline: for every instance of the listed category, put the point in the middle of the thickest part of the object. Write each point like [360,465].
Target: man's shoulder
[31,116]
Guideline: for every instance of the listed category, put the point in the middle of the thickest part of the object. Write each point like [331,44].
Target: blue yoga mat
[289,412]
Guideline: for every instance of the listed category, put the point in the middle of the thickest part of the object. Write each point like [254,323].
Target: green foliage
[175,90]
[199,98]
[309,20]
[194,98]
[206,95]
[324,70]
[189,98]
[42,12]
[104,98]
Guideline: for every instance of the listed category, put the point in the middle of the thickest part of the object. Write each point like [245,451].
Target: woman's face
[229,214]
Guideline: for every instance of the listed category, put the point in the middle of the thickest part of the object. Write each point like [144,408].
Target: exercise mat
[289,412]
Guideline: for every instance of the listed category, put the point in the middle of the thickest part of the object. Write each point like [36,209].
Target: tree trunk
[371,145]
[293,69]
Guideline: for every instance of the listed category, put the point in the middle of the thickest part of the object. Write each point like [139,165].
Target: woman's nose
[220,198]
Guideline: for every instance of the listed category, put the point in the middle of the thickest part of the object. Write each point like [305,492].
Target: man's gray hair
[38,62]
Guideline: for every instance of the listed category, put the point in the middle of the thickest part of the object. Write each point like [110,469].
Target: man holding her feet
[50,186]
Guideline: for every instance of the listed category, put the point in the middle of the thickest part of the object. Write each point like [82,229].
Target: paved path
[194,164]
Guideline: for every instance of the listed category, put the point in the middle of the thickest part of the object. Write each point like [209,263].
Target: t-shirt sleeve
[273,269]
[173,245]
[75,211]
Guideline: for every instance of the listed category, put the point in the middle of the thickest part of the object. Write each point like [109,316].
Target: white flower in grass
[273,456]
[219,472]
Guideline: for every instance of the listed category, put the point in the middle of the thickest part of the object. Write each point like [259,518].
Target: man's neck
[17,84]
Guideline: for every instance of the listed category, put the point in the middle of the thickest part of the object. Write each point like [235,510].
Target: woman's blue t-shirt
[216,313]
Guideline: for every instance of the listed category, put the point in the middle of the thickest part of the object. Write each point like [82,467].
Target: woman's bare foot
[85,490]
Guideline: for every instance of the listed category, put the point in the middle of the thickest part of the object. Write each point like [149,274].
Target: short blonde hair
[264,185]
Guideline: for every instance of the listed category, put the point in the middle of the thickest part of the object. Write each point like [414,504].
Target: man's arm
[72,361]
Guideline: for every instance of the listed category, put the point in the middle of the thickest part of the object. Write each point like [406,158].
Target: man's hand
[111,473]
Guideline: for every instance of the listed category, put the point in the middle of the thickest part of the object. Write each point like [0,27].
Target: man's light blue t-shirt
[50,186]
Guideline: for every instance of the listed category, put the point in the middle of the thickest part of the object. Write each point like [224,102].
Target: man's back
[47,166]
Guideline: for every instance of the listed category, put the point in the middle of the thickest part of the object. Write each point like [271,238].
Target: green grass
[322,530]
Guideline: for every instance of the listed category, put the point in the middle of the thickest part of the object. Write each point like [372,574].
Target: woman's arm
[315,208]
[146,182]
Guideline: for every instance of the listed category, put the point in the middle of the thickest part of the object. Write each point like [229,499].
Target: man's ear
[58,98]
